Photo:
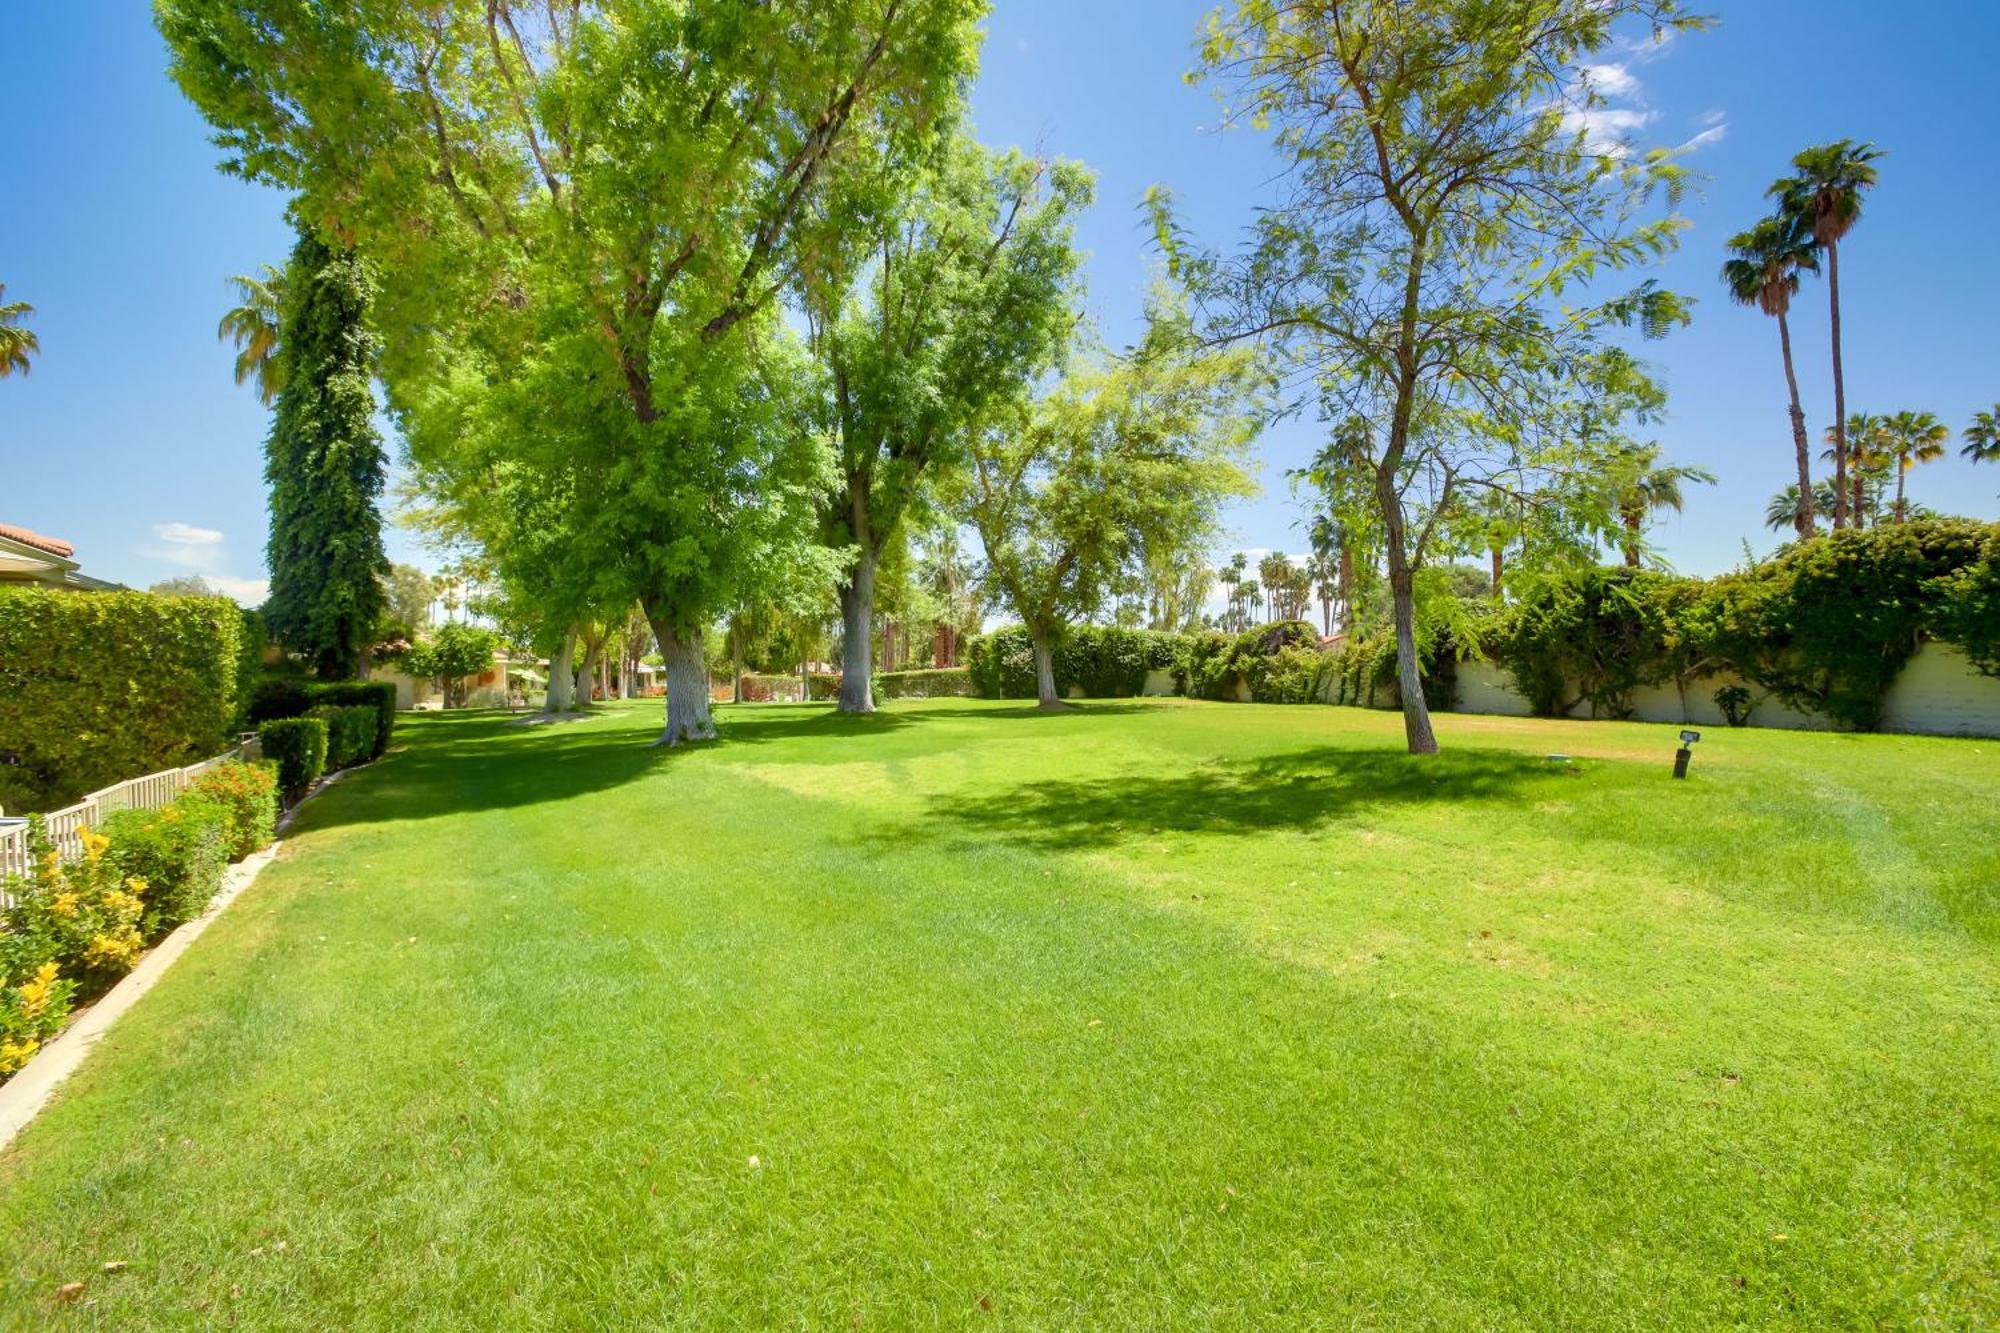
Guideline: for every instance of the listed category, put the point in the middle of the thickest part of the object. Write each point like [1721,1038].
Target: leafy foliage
[1100,661]
[936,683]
[350,733]
[177,851]
[99,687]
[297,745]
[250,793]
[325,465]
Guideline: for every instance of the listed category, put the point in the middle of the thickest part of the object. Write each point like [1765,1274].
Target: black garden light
[1685,753]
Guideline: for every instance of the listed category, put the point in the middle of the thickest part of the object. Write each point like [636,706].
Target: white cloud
[1614,80]
[1608,129]
[186,534]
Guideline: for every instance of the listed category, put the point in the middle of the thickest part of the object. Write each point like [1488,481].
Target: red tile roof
[35,539]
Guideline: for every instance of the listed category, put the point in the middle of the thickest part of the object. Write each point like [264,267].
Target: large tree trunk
[1499,555]
[688,717]
[1045,670]
[1799,440]
[1841,505]
[586,671]
[857,628]
[561,696]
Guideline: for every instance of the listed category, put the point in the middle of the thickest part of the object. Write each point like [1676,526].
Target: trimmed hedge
[290,696]
[1100,661]
[933,683]
[350,733]
[297,745]
[97,687]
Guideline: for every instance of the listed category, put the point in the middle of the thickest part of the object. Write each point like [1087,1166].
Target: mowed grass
[1143,1015]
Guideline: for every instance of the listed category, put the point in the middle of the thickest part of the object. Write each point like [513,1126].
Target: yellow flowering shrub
[84,911]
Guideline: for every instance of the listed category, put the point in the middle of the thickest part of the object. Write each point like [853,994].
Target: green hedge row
[932,683]
[98,687]
[1825,627]
[289,696]
[1100,661]
[350,733]
[297,745]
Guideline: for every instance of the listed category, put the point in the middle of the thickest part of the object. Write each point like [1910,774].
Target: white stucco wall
[1938,693]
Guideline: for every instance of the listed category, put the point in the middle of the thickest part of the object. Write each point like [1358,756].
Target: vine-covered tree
[325,466]
[1442,202]
[1823,198]
[1763,271]
[962,297]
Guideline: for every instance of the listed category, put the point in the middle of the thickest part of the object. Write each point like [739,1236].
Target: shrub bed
[249,792]
[97,687]
[69,929]
[297,745]
[935,683]
[278,697]
[1100,661]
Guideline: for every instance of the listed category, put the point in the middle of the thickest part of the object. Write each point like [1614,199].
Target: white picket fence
[65,826]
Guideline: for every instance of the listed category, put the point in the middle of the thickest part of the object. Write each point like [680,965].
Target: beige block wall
[1938,693]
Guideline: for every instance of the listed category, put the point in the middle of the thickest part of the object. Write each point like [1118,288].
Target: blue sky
[130,439]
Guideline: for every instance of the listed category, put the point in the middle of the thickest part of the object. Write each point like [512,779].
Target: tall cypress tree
[325,465]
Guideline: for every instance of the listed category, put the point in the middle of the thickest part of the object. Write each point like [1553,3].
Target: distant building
[27,557]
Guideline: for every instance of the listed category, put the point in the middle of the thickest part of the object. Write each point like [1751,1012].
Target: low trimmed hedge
[350,733]
[278,697]
[933,683]
[297,745]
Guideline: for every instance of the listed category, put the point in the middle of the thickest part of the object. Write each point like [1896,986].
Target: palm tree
[16,343]
[1764,272]
[1230,576]
[1253,597]
[1783,511]
[1869,456]
[253,325]
[1824,197]
[1913,438]
[1982,437]
[1276,572]
[1644,488]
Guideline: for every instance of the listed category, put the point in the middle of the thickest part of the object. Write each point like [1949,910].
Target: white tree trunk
[1045,671]
[586,673]
[561,696]
[688,716]
[857,615]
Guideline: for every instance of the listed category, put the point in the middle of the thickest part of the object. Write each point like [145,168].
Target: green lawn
[1139,1015]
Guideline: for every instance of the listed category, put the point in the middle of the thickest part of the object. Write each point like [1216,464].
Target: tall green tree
[252,324]
[18,343]
[964,296]
[325,465]
[1823,197]
[1442,203]
[1913,438]
[1064,493]
[1763,271]
[598,209]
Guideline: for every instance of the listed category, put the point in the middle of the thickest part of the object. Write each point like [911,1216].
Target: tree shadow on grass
[1302,790]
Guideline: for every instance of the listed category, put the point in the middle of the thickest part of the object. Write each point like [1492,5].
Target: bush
[297,745]
[1967,608]
[350,733]
[934,683]
[84,910]
[284,696]
[249,792]
[34,997]
[97,687]
[1278,663]
[1099,661]
[1590,635]
[177,851]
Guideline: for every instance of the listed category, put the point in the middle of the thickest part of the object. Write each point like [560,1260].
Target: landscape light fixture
[1685,753]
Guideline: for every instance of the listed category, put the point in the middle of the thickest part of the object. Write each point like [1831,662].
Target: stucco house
[27,557]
